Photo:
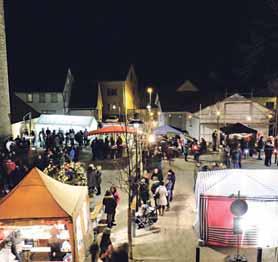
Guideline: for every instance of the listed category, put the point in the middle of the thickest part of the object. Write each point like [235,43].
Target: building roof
[187,101]
[42,197]
[19,109]
[84,95]
[187,86]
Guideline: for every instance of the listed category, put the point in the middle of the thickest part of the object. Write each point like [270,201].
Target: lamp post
[218,129]
[150,91]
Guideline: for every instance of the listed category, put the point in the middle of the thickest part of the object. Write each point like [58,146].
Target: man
[268,150]
[214,140]
[110,205]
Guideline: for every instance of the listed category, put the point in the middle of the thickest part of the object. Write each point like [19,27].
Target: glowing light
[218,113]
[269,116]
[149,107]
[149,90]
[151,113]
[190,117]
[248,118]
[151,139]
[114,107]
[136,125]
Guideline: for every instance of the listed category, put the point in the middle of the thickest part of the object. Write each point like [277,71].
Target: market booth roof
[164,130]
[40,196]
[112,130]
[238,128]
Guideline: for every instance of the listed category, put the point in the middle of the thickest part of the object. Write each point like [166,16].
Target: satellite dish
[239,207]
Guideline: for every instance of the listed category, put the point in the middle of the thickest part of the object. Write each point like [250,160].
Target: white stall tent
[216,190]
[66,122]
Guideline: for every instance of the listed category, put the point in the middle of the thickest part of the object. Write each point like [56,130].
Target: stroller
[146,217]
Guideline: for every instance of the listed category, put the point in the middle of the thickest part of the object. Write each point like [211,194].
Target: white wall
[53,108]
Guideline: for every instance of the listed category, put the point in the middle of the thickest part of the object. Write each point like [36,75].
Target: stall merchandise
[70,173]
[46,217]
[216,190]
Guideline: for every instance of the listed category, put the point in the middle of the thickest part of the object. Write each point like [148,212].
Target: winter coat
[163,194]
[110,204]
[98,178]
[92,178]
[117,198]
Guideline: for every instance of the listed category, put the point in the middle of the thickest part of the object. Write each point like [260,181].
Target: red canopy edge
[112,130]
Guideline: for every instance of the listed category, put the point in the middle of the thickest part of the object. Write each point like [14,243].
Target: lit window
[54,98]
[42,97]
[111,92]
[29,98]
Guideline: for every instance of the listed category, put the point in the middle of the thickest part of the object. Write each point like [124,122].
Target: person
[157,173]
[203,146]
[116,196]
[260,147]
[91,179]
[236,157]
[185,151]
[110,205]
[98,180]
[196,151]
[172,177]
[169,187]
[214,140]
[227,156]
[154,186]
[268,150]
[106,247]
[94,250]
[161,196]
[120,254]
[143,191]
[275,149]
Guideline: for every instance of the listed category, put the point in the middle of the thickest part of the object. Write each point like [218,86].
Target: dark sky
[215,43]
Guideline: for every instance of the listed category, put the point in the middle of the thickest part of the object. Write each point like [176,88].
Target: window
[42,97]
[269,105]
[54,98]
[111,92]
[29,98]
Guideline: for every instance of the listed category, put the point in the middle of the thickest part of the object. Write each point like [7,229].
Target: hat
[107,231]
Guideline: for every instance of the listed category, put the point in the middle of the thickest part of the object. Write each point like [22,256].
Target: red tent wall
[216,223]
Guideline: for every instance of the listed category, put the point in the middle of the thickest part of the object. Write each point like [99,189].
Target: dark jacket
[110,204]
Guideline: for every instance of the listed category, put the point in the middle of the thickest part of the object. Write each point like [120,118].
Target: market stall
[216,190]
[113,129]
[237,128]
[46,218]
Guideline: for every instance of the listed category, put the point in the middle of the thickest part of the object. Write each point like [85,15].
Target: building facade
[49,101]
[233,109]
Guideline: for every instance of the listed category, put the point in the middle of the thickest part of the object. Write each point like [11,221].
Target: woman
[105,245]
[169,187]
[116,196]
[91,179]
[161,196]
[110,207]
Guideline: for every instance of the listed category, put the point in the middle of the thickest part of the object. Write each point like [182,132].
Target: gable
[187,86]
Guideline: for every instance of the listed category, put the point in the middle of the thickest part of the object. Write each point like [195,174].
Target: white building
[48,100]
[233,109]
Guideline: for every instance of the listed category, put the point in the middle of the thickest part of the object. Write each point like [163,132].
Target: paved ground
[173,237]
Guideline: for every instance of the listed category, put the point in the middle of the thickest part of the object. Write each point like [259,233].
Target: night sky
[221,44]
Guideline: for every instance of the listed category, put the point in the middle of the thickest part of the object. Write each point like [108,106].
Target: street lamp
[150,91]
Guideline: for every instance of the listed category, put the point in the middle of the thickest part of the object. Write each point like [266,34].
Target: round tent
[39,203]
[216,190]
[112,130]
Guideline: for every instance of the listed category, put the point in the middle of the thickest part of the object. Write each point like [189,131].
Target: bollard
[197,254]
[259,254]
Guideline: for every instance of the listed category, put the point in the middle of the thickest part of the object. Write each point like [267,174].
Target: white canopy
[250,182]
[164,130]
[66,122]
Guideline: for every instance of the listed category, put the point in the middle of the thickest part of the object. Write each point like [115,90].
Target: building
[49,99]
[5,123]
[119,95]
[230,110]
[200,113]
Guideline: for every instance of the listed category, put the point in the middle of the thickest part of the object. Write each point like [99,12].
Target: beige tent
[39,199]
